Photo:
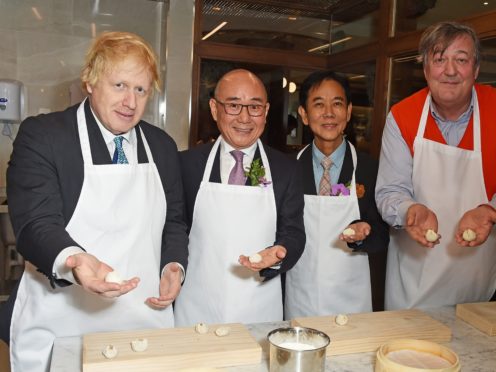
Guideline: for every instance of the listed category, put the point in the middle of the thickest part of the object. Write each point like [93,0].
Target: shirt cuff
[400,220]
[60,270]
[180,266]
[492,202]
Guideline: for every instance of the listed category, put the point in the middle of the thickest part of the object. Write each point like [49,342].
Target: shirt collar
[108,136]
[463,117]
[337,155]
[227,148]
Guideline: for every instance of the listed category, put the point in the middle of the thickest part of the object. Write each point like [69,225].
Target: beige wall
[48,56]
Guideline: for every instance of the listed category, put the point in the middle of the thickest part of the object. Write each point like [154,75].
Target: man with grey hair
[436,173]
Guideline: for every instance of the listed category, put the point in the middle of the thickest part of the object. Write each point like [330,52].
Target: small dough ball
[113,277]
[110,352]
[341,319]
[201,328]
[139,344]
[222,331]
[255,258]
[431,236]
[349,232]
[469,235]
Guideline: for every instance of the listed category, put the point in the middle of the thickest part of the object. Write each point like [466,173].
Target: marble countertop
[476,350]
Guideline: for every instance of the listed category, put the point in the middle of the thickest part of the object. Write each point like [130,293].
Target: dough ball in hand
[255,258]
[349,232]
[114,277]
[431,236]
[469,235]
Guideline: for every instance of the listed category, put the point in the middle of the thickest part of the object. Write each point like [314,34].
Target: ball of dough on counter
[113,277]
[341,319]
[139,344]
[255,258]
[222,331]
[469,235]
[431,236]
[110,352]
[201,328]
[349,232]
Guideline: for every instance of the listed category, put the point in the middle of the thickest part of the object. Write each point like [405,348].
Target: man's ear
[349,110]
[213,108]
[303,114]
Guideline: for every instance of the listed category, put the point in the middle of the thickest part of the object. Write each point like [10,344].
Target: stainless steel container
[297,349]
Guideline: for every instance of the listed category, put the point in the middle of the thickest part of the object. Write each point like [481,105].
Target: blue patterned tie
[119,155]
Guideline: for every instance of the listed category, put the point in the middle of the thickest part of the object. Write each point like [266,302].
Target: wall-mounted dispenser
[11,101]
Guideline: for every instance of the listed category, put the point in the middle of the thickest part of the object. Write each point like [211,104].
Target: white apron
[449,181]
[119,218]
[329,278]
[229,220]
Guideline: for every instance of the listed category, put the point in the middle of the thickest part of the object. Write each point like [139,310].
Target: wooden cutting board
[172,349]
[367,331]
[481,315]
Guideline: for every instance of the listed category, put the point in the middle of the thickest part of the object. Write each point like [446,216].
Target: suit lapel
[99,151]
[347,168]
[306,162]
[215,173]
[142,158]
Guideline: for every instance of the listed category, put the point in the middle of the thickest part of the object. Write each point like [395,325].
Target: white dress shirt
[227,161]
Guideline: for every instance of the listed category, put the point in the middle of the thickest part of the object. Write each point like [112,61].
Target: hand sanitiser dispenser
[11,101]
[11,105]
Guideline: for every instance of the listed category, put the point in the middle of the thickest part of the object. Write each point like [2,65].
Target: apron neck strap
[85,141]
[213,152]
[475,115]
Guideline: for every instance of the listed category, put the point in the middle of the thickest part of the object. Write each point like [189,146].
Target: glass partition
[285,129]
[407,75]
[412,15]
[321,27]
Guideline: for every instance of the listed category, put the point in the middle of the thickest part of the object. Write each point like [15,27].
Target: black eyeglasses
[233,108]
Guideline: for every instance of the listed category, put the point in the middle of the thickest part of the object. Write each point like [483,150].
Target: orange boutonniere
[360,190]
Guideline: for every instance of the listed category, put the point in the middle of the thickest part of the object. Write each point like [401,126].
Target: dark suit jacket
[45,177]
[44,181]
[366,174]
[288,194]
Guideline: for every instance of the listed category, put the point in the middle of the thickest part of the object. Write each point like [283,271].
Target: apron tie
[119,155]
[325,181]
[237,175]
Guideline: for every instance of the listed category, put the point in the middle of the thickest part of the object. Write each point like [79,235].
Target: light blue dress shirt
[337,158]
[394,188]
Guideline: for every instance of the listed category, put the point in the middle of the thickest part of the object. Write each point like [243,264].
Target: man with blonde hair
[91,190]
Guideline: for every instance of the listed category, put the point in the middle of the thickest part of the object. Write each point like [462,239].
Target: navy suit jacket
[288,194]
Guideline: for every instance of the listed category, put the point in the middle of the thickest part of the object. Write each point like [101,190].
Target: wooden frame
[381,51]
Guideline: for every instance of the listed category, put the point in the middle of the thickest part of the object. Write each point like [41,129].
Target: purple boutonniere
[256,174]
[340,189]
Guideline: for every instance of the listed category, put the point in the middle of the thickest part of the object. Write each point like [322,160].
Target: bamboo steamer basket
[385,364]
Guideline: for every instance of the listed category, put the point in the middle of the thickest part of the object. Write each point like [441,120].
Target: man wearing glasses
[244,205]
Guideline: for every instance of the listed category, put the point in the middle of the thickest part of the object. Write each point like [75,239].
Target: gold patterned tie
[325,181]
